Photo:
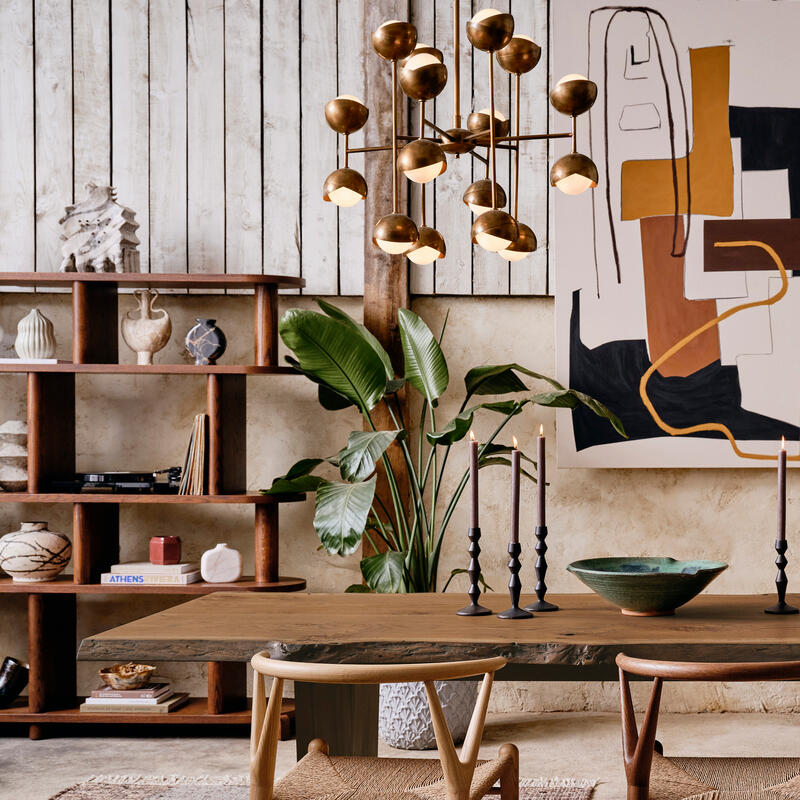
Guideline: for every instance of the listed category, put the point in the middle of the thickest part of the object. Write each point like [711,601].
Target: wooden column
[386,287]
[227,686]
[266,325]
[51,651]
[266,547]
[51,428]
[227,441]
[95,540]
[94,323]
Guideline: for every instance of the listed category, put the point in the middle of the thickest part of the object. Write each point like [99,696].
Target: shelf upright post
[266,324]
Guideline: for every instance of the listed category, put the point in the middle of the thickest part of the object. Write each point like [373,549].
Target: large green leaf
[334,353]
[504,462]
[357,327]
[569,398]
[299,477]
[454,431]
[358,588]
[329,399]
[501,379]
[426,368]
[341,514]
[490,450]
[384,572]
[357,461]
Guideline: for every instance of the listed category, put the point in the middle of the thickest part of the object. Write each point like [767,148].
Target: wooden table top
[369,628]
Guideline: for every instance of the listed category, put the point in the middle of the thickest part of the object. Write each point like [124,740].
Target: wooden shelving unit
[52,606]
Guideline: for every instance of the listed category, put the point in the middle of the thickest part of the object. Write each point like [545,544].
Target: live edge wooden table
[579,642]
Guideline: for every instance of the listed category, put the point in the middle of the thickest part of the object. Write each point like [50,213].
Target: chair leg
[509,780]
[638,792]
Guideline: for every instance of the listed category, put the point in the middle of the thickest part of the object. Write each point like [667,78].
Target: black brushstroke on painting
[611,372]
[770,141]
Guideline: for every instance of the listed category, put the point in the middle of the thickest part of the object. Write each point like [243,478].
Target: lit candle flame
[471,436]
[516,444]
[783,442]
[541,430]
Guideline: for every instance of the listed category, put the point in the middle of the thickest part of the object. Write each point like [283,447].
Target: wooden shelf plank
[249,498]
[171,280]
[195,711]
[149,369]
[63,584]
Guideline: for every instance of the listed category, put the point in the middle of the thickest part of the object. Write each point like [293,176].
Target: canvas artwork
[678,277]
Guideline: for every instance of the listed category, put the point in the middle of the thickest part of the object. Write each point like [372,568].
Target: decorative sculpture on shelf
[35,337]
[145,329]
[99,234]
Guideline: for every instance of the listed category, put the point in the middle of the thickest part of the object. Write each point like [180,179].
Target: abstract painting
[678,277]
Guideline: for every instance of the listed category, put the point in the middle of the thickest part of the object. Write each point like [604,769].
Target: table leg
[344,715]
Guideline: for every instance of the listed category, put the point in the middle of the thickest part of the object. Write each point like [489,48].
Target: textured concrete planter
[405,719]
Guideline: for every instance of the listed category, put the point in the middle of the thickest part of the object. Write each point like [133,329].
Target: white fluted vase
[35,337]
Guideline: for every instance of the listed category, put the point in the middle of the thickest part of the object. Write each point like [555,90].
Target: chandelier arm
[532,136]
[395,199]
[369,149]
[574,134]
[479,157]
[456,66]
[346,151]
[435,127]
[516,155]
[492,151]
[421,118]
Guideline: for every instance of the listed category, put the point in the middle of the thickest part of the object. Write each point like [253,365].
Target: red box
[165,549]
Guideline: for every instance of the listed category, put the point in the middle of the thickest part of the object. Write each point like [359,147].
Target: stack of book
[155,697]
[193,480]
[143,573]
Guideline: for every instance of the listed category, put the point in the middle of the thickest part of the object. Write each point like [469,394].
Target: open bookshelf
[52,606]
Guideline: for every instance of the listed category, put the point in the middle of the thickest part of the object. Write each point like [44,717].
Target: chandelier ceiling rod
[422,76]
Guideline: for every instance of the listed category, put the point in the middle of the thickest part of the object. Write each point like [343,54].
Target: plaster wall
[129,422]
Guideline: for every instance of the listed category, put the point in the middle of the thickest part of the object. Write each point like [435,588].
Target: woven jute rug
[176,787]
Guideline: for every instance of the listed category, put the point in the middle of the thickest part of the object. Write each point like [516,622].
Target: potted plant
[351,368]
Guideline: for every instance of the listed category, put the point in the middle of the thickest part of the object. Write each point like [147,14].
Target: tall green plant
[351,368]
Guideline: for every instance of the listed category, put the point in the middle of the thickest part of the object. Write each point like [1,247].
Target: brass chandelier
[422,75]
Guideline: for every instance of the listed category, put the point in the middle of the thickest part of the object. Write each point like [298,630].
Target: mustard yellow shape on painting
[716,426]
[648,187]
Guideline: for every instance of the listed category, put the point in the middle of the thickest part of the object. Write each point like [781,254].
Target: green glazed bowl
[646,587]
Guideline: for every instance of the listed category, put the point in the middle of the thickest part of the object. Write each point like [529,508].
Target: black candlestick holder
[474,572]
[541,570]
[781,582]
[514,585]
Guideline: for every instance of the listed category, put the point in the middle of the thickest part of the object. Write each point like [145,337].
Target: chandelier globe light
[479,196]
[428,247]
[420,72]
[523,247]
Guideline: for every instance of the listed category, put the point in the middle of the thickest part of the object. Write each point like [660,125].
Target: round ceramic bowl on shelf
[646,587]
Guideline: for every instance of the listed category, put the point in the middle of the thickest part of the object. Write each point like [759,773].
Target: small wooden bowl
[126,676]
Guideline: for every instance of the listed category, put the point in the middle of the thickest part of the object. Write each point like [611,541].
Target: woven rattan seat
[651,776]
[725,778]
[321,777]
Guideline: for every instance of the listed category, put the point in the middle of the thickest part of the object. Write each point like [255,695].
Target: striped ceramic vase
[35,337]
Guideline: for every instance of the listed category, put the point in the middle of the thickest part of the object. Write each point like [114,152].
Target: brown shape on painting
[648,186]
[782,234]
[670,316]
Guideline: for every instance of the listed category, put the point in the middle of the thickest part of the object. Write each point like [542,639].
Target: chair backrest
[710,671]
[457,770]
[637,745]
[373,673]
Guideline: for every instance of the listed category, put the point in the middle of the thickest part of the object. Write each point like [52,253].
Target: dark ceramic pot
[13,677]
[646,587]
[206,342]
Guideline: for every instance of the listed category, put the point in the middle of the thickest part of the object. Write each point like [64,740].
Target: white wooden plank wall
[207,116]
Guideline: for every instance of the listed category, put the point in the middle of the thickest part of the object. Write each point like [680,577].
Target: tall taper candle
[515,493]
[782,491]
[541,476]
[473,481]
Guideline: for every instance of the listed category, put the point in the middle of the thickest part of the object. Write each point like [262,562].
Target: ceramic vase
[404,719]
[13,677]
[145,329]
[221,564]
[35,338]
[206,342]
[34,554]
[165,549]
